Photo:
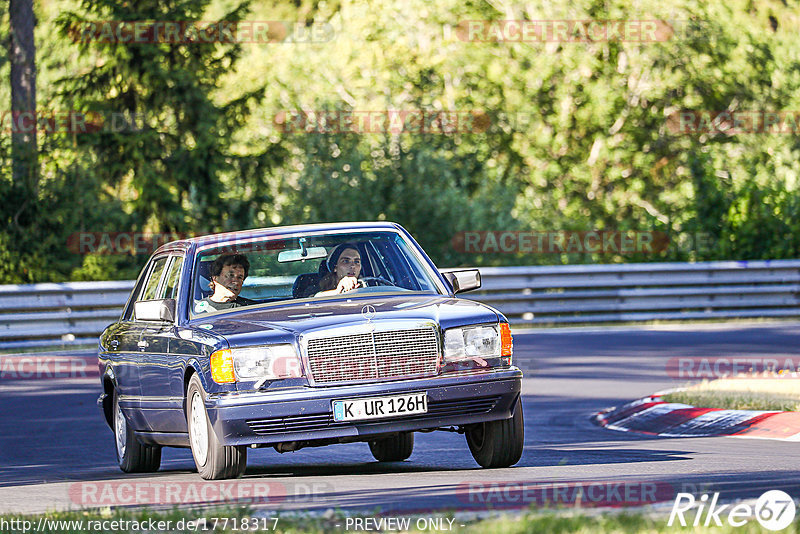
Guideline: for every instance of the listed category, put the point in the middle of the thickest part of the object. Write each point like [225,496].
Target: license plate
[380,407]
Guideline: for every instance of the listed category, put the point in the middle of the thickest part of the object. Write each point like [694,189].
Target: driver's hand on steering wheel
[347,283]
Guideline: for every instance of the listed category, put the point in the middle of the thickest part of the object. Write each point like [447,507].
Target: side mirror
[162,311]
[465,280]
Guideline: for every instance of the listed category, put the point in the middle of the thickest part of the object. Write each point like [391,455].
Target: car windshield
[245,273]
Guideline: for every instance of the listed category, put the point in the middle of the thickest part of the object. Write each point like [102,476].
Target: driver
[344,267]
[227,276]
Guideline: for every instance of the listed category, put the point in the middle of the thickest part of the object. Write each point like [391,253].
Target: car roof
[215,239]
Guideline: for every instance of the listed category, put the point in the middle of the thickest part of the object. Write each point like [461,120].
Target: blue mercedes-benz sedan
[305,336]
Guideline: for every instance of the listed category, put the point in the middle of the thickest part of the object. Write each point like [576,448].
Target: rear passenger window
[151,286]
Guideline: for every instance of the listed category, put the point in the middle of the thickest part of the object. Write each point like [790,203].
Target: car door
[121,351]
[125,347]
[159,369]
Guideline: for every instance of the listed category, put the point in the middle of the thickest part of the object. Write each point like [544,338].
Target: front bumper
[306,414]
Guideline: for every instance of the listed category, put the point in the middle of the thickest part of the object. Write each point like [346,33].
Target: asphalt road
[57,453]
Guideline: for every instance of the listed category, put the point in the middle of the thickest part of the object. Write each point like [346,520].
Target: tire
[393,449]
[214,461]
[498,443]
[132,456]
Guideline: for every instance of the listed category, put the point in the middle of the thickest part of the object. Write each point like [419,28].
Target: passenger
[344,267]
[228,273]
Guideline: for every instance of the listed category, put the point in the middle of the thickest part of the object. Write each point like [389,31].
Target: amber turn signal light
[506,342]
[222,367]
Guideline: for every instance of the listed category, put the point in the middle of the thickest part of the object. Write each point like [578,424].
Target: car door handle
[142,344]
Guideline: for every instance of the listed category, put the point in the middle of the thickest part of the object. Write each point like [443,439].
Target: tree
[22,54]
[163,135]
[578,134]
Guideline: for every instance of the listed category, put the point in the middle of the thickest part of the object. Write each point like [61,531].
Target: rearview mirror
[465,280]
[162,310]
[298,254]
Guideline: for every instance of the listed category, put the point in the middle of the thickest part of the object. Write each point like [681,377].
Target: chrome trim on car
[375,351]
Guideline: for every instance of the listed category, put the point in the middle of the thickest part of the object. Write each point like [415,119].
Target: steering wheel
[379,281]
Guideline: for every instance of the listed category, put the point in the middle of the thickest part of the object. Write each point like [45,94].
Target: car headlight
[470,342]
[267,362]
[478,342]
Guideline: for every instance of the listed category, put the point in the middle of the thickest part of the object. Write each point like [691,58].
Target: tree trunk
[23,97]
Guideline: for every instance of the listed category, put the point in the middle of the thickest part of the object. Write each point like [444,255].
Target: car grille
[309,423]
[381,355]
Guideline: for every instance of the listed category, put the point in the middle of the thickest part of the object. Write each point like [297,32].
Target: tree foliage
[572,135]
[171,140]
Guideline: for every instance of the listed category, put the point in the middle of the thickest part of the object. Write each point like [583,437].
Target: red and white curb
[653,416]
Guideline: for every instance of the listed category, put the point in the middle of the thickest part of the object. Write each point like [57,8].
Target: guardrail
[643,291]
[76,312]
[50,314]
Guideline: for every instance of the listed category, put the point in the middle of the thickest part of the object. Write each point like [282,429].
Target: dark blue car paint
[229,414]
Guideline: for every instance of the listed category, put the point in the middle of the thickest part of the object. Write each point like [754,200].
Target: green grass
[555,522]
[735,400]
[773,392]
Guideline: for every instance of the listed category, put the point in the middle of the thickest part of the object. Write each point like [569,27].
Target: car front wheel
[214,461]
[132,456]
[393,449]
[498,443]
